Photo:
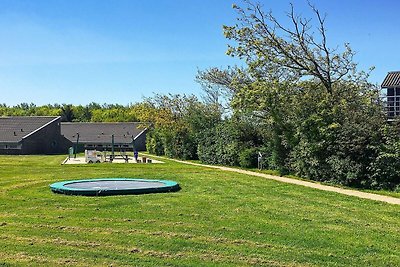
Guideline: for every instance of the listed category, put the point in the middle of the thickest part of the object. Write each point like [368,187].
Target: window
[10,146]
[393,102]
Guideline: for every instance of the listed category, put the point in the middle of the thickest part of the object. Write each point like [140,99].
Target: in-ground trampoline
[113,186]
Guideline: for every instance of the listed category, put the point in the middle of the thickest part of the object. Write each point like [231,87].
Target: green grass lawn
[217,219]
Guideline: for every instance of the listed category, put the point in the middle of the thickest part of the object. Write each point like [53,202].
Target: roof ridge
[41,127]
[29,117]
[97,122]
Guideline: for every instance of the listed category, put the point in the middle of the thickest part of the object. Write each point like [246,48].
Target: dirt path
[349,192]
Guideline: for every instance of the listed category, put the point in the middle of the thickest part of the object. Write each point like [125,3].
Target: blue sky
[120,51]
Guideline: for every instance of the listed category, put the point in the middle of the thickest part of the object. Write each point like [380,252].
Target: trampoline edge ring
[113,186]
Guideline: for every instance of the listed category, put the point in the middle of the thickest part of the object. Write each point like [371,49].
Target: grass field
[217,219]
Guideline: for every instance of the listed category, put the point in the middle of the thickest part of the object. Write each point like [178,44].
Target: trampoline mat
[114,185]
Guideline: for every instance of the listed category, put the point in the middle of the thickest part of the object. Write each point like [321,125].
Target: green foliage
[67,113]
[25,109]
[220,145]
[92,112]
[339,138]
[82,114]
[385,170]
[224,143]
[154,143]
[248,158]
[179,122]
[179,144]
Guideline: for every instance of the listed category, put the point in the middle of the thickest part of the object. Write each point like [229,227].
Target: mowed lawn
[217,219]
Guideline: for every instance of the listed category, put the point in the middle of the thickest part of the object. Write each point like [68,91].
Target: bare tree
[292,52]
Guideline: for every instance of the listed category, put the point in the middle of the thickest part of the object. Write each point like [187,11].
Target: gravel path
[349,192]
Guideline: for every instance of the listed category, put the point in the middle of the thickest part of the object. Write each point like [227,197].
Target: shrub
[248,158]
[154,143]
[385,170]
[180,144]
[220,145]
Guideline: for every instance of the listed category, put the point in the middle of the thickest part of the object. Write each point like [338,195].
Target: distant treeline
[92,112]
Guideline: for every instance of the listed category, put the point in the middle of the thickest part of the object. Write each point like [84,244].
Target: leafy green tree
[319,116]
[82,113]
[385,170]
[67,113]
[169,116]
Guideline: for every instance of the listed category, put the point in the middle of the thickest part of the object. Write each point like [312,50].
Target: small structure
[392,85]
[30,135]
[106,136]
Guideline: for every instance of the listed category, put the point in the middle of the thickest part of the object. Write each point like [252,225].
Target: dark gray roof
[392,79]
[101,132]
[14,129]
